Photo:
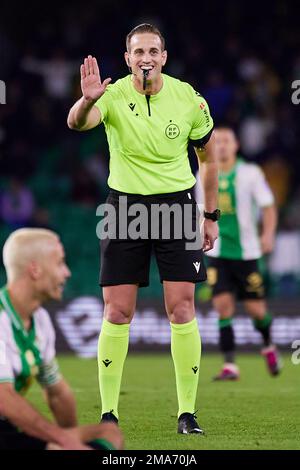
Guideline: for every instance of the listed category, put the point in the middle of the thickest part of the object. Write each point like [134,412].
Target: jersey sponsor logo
[212,276]
[225,203]
[207,118]
[131,106]
[223,184]
[197,265]
[34,369]
[172,131]
[107,362]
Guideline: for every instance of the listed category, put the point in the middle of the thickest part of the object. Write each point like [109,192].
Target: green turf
[258,412]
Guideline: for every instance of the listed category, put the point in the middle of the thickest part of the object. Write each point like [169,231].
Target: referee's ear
[164,57]
[127,60]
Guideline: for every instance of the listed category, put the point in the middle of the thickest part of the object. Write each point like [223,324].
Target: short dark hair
[226,127]
[145,28]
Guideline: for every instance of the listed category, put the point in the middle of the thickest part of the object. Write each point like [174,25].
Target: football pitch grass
[257,412]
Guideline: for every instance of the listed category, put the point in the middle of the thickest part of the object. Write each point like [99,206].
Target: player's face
[226,145]
[54,272]
[145,54]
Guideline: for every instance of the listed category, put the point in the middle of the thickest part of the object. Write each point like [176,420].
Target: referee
[149,119]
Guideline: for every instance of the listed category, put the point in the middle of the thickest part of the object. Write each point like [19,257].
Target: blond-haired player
[34,260]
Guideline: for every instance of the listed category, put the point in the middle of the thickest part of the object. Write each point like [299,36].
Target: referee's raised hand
[91,86]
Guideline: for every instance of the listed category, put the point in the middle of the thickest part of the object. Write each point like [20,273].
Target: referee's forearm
[78,114]
[210,185]
[208,170]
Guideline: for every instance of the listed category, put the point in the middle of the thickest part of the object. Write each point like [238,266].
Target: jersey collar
[153,97]
[14,316]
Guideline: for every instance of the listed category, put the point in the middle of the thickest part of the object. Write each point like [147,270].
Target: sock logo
[197,266]
[107,362]
[195,369]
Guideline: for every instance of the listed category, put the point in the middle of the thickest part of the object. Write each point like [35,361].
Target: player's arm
[208,170]
[264,198]
[269,224]
[62,403]
[84,114]
[23,415]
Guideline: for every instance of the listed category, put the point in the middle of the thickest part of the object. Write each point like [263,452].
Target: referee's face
[146,53]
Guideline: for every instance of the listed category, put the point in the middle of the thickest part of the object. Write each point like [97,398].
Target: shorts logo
[172,131]
[255,280]
[255,284]
[197,266]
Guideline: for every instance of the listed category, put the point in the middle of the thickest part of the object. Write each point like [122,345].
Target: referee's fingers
[90,62]
[82,71]
[95,67]
[86,67]
[208,243]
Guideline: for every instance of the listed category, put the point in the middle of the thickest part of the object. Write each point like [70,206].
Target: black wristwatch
[215,215]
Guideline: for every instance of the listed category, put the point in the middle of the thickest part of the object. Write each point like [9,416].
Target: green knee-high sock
[112,351]
[264,327]
[186,354]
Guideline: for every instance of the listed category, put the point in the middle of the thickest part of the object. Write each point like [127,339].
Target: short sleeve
[202,121]
[48,370]
[262,192]
[105,102]
[6,366]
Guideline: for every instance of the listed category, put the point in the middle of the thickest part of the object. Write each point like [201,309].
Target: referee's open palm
[91,86]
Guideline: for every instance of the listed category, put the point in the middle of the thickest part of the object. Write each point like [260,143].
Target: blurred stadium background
[242,57]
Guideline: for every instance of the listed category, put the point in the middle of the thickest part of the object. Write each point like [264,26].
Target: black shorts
[125,259]
[241,277]
[12,439]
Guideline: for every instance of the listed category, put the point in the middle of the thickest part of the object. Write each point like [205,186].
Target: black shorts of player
[12,439]
[126,253]
[241,277]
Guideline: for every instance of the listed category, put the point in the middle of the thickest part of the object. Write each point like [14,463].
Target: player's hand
[91,86]
[72,440]
[267,243]
[211,233]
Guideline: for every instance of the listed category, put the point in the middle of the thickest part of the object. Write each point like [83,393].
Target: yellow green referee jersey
[148,136]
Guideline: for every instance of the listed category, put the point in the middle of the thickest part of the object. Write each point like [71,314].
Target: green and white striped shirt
[242,192]
[26,354]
